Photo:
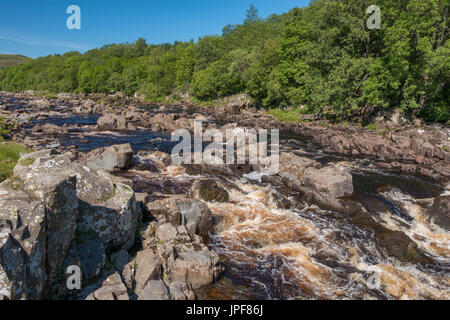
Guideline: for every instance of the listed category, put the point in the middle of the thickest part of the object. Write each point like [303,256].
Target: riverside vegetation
[322,57]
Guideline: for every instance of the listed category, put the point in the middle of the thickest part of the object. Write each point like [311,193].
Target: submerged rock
[209,190]
[440,212]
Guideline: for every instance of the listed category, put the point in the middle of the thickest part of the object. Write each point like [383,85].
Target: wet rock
[332,181]
[155,290]
[116,157]
[41,103]
[163,122]
[440,212]
[396,243]
[208,190]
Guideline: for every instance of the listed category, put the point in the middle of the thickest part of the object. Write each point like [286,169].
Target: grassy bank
[9,155]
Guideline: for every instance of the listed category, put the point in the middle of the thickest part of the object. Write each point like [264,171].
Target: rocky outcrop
[408,149]
[42,209]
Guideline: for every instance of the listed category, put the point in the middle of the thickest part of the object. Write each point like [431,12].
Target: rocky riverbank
[100,192]
[394,145]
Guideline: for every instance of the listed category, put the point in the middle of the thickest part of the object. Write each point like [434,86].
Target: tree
[251,15]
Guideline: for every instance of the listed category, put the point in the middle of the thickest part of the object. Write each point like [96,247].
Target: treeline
[322,59]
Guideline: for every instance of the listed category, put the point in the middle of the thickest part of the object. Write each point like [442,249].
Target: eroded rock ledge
[55,213]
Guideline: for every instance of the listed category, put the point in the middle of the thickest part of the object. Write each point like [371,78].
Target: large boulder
[332,181]
[440,212]
[48,179]
[105,208]
[38,214]
[192,213]
[116,157]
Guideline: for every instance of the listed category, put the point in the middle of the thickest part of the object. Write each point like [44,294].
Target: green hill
[9,60]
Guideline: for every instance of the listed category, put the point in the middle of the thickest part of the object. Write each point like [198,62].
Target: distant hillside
[9,60]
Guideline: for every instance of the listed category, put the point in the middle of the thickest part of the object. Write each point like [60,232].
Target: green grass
[290,115]
[9,60]
[446,148]
[371,127]
[10,153]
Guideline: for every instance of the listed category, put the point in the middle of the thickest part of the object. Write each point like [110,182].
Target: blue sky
[38,28]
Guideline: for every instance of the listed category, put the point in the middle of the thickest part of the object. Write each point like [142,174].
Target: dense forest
[321,59]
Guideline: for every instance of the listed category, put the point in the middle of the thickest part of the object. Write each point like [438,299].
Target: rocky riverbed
[352,214]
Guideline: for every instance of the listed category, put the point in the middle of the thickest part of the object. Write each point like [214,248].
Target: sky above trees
[38,28]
